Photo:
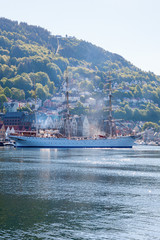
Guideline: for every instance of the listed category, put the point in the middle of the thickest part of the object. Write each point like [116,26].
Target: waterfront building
[13,119]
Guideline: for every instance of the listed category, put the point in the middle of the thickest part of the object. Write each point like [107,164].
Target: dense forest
[31,58]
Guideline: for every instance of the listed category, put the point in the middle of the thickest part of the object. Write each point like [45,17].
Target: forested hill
[70,46]
[30,54]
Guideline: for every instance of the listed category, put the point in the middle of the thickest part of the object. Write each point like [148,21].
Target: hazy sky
[130,28]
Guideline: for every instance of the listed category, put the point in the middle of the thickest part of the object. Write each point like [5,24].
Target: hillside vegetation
[30,57]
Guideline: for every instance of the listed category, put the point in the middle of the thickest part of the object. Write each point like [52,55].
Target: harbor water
[80,194]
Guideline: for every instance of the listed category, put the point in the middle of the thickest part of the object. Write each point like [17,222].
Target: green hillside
[31,57]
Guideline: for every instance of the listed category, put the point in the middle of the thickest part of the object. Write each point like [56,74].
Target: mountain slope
[30,55]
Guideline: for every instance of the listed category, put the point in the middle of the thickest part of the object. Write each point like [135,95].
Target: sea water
[80,193]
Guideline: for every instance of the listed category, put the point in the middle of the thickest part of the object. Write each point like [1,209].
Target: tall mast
[67,106]
[35,108]
[110,106]
[110,117]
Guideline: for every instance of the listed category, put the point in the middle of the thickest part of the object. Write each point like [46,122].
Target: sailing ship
[54,140]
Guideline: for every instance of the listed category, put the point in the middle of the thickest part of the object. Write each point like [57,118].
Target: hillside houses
[11,106]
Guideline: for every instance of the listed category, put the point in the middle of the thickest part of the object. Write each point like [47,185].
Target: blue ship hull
[41,142]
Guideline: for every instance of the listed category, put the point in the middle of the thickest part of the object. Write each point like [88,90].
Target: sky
[130,28]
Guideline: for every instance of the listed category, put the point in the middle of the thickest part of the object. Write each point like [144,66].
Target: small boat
[9,144]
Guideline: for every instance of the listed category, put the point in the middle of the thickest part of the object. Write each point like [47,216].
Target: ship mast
[67,127]
[110,118]
[35,109]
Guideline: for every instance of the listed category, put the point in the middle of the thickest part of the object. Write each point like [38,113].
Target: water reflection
[79,194]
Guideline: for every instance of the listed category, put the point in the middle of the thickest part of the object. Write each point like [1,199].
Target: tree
[52,88]
[119,114]
[26,109]
[136,115]
[2,100]
[7,92]
[86,85]
[54,73]
[61,62]
[40,92]
[40,77]
[129,112]
[5,42]
[97,81]
[153,113]
[7,71]
[17,94]
[8,83]
[79,109]
[137,92]
[151,125]
[23,82]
